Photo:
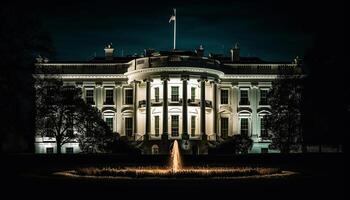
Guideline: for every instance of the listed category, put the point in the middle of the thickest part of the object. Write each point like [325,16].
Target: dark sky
[272,30]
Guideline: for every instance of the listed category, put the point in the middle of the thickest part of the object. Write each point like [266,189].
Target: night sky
[272,30]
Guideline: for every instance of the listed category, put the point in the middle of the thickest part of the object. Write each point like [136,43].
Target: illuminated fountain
[175,170]
[176,164]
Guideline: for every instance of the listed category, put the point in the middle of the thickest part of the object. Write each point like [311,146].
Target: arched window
[155,149]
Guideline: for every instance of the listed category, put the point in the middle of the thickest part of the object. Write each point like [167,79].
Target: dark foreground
[321,176]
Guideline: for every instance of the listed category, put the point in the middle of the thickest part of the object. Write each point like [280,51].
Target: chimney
[235,53]
[200,51]
[109,52]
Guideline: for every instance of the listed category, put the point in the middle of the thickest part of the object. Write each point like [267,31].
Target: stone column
[202,108]
[135,108]
[165,80]
[148,109]
[184,108]
[215,118]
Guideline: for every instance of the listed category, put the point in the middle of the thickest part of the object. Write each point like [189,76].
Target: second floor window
[156,94]
[128,96]
[109,96]
[224,127]
[193,125]
[244,126]
[193,93]
[156,125]
[128,126]
[174,93]
[224,97]
[89,96]
[244,97]
[174,125]
[109,122]
[263,97]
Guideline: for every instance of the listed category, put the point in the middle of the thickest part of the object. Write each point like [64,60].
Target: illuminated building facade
[176,95]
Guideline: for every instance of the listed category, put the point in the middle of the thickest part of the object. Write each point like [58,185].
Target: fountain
[176,164]
[175,170]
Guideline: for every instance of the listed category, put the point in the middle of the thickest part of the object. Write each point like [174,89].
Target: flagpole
[175,29]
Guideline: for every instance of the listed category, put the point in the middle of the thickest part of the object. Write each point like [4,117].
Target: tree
[62,114]
[284,123]
[21,38]
[95,135]
[237,144]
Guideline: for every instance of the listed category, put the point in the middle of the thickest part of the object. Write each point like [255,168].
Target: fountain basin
[190,172]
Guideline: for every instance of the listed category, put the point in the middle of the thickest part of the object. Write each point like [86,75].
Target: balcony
[193,102]
[175,103]
[159,102]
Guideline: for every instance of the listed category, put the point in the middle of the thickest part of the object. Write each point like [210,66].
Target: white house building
[174,95]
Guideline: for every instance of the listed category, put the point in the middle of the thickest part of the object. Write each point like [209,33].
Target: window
[109,97]
[155,149]
[109,122]
[224,127]
[128,96]
[263,97]
[193,125]
[69,150]
[244,98]
[49,150]
[174,125]
[264,150]
[244,126]
[156,94]
[263,130]
[193,94]
[89,96]
[174,93]
[49,128]
[156,125]
[128,126]
[224,97]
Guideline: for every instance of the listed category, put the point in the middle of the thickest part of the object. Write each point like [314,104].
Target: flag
[172,18]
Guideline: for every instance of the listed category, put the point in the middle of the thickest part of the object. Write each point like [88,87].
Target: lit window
[156,125]
[156,94]
[109,97]
[109,122]
[128,96]
[174,93]
[89,96]
[244,126]
[193,94]
[244,97]
[174,125]
[49,150]
[193,125]
[224,97]
[128,126]
[263,97]
[69,150]
[224,127]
